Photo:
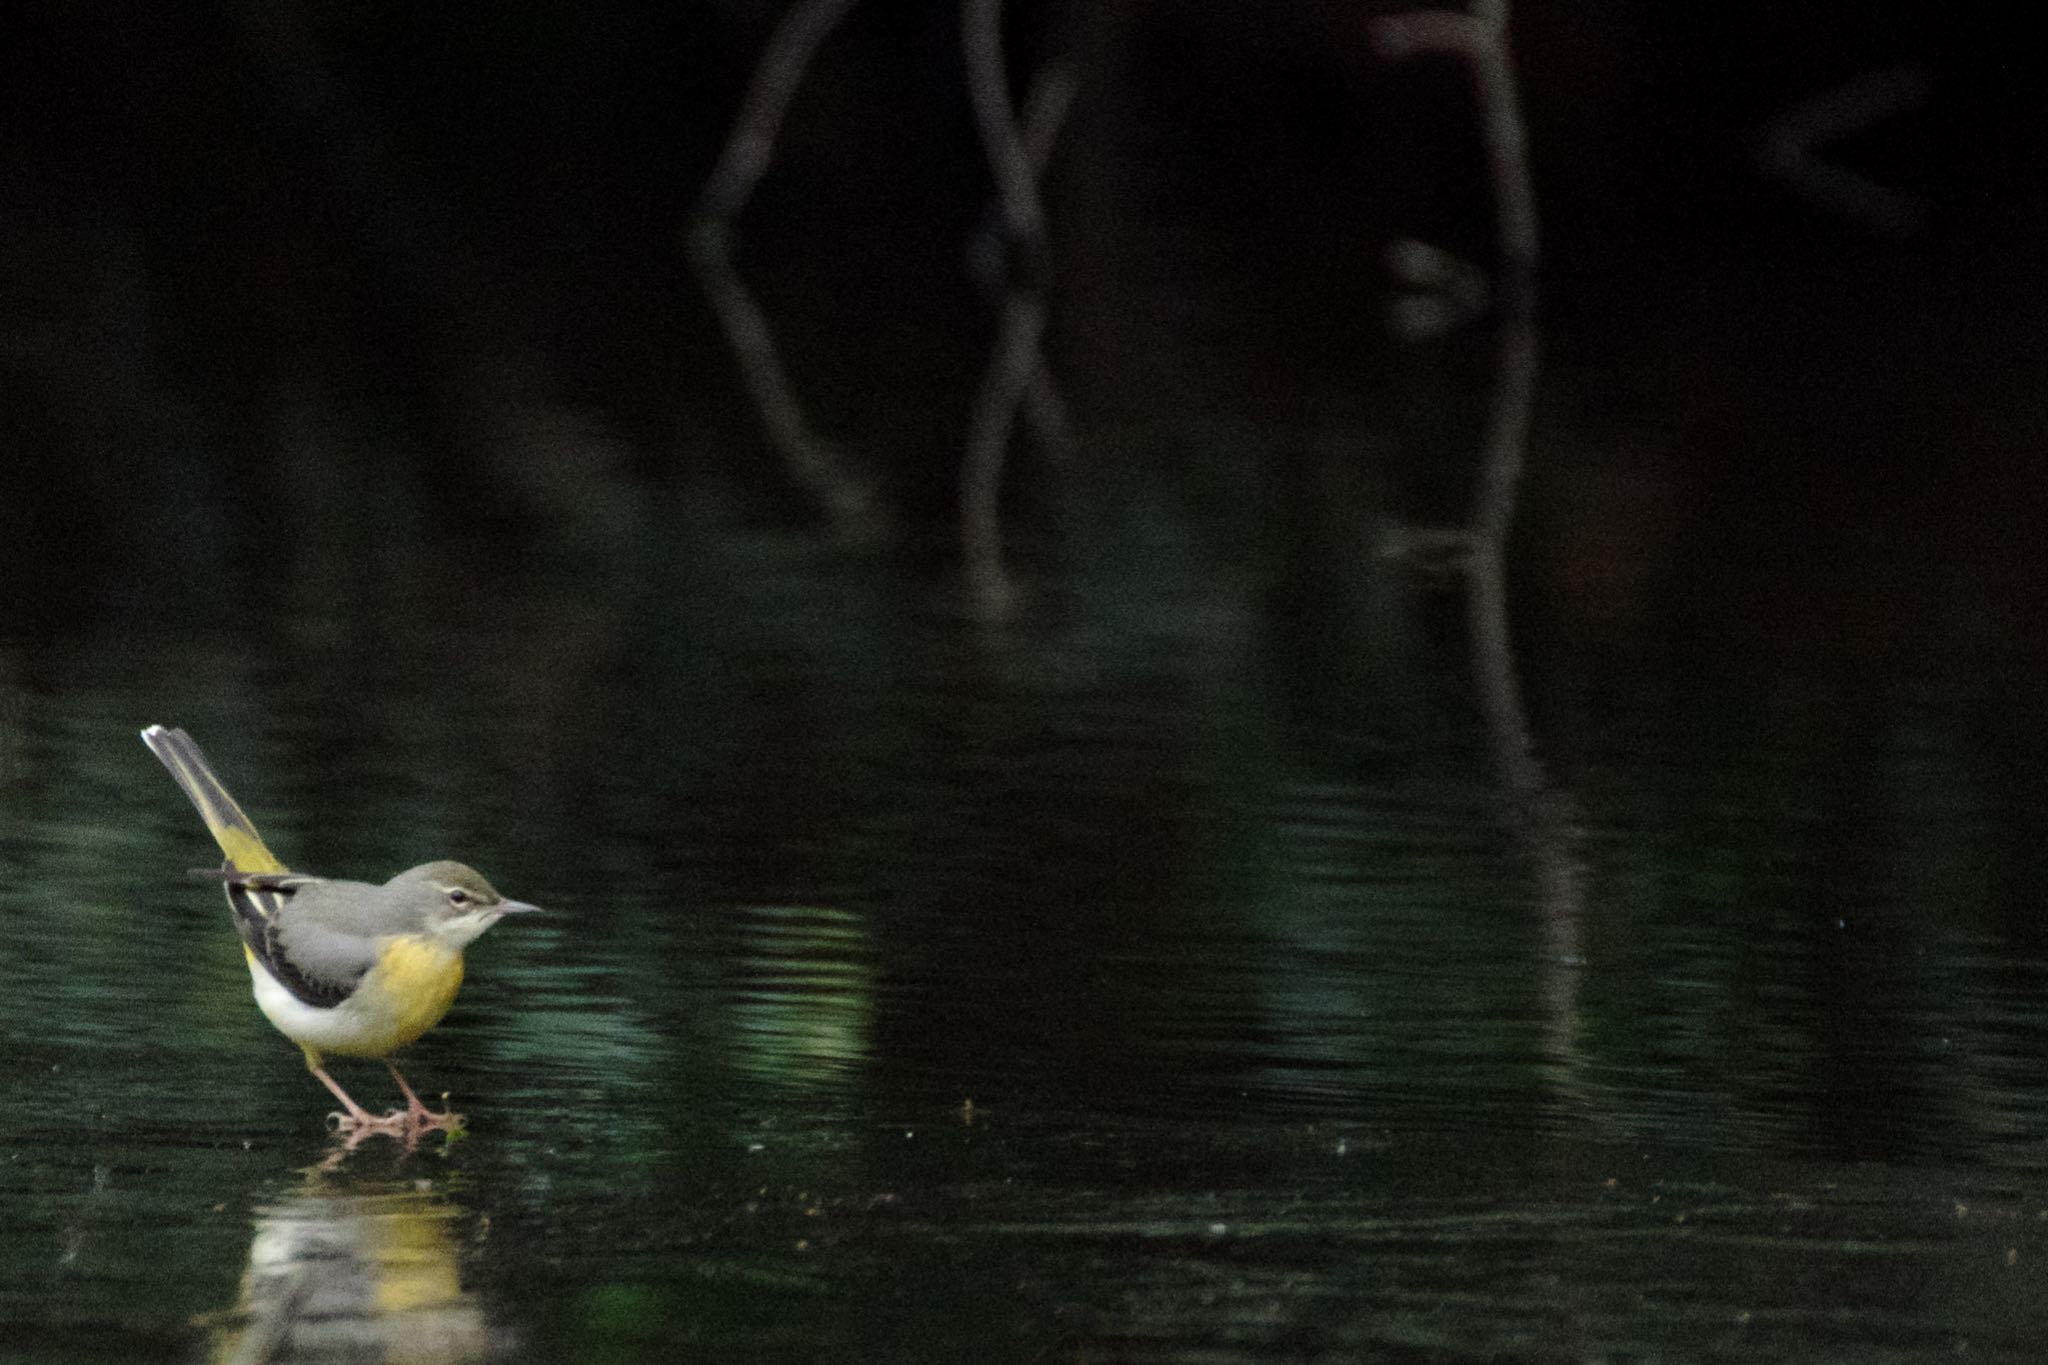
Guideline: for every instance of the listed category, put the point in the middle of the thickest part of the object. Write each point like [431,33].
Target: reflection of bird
[342,967]
[354,1272]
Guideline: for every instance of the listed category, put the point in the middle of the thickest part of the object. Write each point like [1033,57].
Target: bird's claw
[398,1123]
[426,1120]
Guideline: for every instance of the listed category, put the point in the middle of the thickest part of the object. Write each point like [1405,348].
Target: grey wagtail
[343,967]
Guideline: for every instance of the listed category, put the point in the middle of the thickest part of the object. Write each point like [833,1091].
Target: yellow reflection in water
[802,1006]
[354,1272]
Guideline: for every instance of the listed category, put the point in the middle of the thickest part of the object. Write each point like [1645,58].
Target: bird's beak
[518,908]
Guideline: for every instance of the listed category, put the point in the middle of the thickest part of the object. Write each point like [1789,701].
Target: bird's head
[454,902]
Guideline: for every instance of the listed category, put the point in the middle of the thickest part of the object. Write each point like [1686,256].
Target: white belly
[421,981]
[335,1028]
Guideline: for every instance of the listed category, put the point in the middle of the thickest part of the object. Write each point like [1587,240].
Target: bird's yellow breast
[404,995]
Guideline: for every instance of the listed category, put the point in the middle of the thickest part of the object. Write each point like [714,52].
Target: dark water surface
[1253,953]
[1175,976]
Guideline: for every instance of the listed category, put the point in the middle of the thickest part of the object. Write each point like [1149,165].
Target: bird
[352,969]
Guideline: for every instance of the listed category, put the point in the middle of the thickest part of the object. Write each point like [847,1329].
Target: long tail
[238,839]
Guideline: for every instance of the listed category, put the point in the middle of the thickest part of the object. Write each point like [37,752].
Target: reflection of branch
[1506,438]
[1009,161]
[1047,101]
[1790,142]
[1440,291]
[1545,821]
[811,460]
[1484,563]
[1481,38]
[1493,665]
[1016,355]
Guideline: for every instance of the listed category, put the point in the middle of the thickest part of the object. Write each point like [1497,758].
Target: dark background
[1180,968]
[463,226]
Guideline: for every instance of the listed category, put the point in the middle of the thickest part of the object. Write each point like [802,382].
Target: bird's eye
[457,896]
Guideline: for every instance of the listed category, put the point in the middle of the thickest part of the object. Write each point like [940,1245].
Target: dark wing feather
[318,967]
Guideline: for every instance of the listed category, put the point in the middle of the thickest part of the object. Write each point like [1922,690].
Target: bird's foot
[400,1125]
[360,1123]
[416,1112]
[421,1119]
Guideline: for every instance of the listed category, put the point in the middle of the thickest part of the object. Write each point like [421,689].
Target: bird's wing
[316,963]
[267,881]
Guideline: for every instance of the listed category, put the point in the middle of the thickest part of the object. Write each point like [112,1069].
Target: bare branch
[1428,30]
[1016,355]
[1047,101]
[1506,440]
[1482,39]
[988,438]
[749,150]
[1790,143]
[988,87]
[812,462]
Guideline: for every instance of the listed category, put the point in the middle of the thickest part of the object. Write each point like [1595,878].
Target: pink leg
[354,1116]
[416,1112]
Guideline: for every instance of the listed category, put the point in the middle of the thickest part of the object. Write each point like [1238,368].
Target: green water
[1171,976]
